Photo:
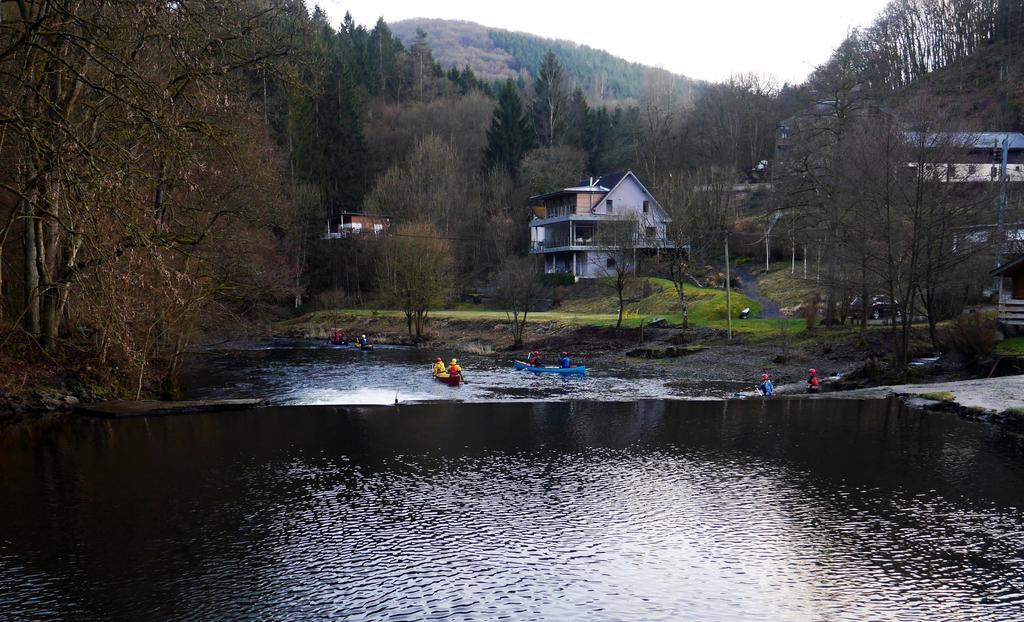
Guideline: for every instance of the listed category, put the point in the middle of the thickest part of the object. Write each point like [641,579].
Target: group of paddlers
[453,369]
[338,338]
[766,388]
[563,361]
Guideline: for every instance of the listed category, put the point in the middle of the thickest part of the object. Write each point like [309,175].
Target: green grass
[568,319]
[786,289]
[1014,346]
[597,305]
[939,396]
[705,306]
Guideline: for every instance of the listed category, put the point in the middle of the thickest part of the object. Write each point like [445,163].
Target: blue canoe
[520,366]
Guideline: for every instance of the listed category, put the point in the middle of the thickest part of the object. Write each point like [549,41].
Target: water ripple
[254,520]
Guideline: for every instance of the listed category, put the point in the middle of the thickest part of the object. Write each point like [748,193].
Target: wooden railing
[1011,312]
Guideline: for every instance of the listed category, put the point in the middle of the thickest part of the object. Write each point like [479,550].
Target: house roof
[598,185]
[608,181]
[363,214]
[1012,264]
[580,188]
[974,140]
[985,140]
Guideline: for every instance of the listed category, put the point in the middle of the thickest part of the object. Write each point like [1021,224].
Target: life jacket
[534,361]
[566,362]
[438,368]
[454,370]
[766,387]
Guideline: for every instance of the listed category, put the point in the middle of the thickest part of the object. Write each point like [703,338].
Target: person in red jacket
[813,384]
[534,360]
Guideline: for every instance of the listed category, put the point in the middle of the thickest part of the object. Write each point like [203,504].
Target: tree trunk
[31,270]
[46,294]
[728,291]
[621,286]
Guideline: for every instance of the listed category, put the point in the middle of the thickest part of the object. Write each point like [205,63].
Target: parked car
[878,308]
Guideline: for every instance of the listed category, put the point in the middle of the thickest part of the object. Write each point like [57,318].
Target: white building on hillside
[567,225]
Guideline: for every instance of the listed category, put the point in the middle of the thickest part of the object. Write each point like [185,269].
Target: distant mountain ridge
[496,54]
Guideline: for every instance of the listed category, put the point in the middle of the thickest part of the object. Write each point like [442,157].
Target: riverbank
[700,354]
[994,400]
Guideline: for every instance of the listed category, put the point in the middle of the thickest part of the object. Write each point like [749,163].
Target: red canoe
[452,381]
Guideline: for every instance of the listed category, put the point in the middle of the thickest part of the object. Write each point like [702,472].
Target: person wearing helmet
[766,388]
[438,366]
[363,342]
[813,384]
[565,361]
[534,360]
[454,369]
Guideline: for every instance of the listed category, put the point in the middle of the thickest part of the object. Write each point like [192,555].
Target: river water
[559,510]
[304,373]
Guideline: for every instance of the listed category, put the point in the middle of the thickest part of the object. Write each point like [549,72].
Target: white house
[566,227]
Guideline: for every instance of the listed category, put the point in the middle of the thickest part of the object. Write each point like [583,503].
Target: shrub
[972,336]
[557,279]
[809,311]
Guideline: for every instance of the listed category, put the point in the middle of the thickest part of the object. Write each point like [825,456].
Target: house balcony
[551,220]
[563,244]
[1011,311]
[558,245]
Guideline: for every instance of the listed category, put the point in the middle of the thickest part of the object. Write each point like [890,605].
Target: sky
[708,40]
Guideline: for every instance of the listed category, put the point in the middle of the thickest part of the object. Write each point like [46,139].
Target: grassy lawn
[705,305]
[1014,346]
[568,319]
[789,290]
[596,305]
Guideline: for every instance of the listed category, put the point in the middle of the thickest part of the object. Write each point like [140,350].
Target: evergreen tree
[423,62]
[551,100]
[510,134]
[381,54]
[576,115]
[611,139]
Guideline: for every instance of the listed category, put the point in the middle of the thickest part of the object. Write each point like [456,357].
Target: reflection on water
[298,372]
[647,511]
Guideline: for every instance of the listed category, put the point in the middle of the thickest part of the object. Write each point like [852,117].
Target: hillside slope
[984,91]
[496,54]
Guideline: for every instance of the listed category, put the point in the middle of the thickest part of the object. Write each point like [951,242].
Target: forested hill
[494,54]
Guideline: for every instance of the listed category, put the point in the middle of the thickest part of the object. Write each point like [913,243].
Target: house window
[650,233]
[647,206]
[610,263]
[610,206]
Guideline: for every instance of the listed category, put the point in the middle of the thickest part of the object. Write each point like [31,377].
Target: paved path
[750,290]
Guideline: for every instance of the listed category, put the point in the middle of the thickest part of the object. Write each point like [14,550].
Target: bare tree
[701,206]
[619,240]
[415,271]
[518,288]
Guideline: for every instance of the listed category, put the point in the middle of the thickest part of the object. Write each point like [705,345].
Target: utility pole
[1001,205]
[728,291]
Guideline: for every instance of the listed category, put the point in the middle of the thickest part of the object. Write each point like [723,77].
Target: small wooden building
[344,224]
[1011,291]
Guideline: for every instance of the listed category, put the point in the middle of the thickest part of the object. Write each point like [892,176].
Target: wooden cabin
[1011,291]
